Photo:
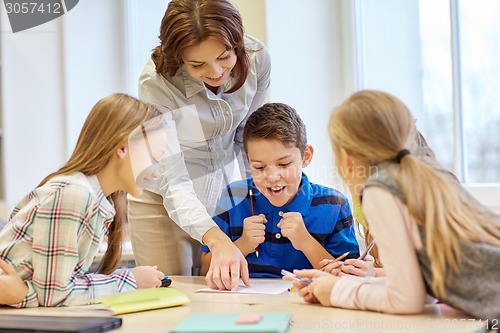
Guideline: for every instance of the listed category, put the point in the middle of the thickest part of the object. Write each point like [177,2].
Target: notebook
[266,322]
[137,300]
[67,324]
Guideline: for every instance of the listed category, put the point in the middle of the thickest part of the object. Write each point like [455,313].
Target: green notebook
[267,322]
[139,300]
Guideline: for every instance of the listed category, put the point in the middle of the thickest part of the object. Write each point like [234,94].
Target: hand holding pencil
[363,266]
[326,263]
[363,263]
[254,230]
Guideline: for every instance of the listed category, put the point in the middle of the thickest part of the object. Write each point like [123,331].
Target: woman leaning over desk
[207,76]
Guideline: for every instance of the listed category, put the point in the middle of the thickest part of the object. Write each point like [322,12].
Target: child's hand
[292,227]
[254,233]
[319,290]
[334,268]
[147,276]
[358,267]
[12,288]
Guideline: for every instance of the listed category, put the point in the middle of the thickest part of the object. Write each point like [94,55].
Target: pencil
[252,208]
[250,193]
[368,248]
[334,260]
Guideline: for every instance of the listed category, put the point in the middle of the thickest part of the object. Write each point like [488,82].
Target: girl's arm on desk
[392,229]
[12,287]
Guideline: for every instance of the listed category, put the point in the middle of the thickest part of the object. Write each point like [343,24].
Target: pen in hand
[252,208]
[284,272]
[334,260]
[368,248]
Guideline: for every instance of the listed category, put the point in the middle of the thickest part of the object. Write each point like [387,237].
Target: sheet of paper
[257,286]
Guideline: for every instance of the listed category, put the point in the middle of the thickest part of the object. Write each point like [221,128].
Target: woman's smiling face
[210,62]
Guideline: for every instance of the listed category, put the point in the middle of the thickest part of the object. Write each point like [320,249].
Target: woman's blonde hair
[373,127]
[106,128]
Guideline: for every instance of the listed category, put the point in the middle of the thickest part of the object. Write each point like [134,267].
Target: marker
[165,282]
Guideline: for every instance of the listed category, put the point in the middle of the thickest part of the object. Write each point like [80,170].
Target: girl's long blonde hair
[106,128]
[374,126]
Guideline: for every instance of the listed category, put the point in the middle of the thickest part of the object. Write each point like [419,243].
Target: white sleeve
[402,290]
[175,185]
[176,188]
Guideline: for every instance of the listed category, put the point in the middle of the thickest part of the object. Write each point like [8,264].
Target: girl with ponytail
[432,235]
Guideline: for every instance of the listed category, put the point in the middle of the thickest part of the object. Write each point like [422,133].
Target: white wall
[141,35]
[32,107]
[254,16]
[93,44]
[52,75]
[305,43]
[392,52]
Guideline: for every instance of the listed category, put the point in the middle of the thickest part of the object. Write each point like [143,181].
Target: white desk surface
[305,317]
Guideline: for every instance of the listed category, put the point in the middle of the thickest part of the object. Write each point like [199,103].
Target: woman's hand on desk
[227,262]
[12,288]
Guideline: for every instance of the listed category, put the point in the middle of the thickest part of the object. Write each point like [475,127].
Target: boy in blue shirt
[277,218]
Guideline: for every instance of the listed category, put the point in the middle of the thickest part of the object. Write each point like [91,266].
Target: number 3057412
[33,7]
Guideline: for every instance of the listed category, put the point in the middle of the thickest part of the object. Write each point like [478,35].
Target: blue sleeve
[343,237]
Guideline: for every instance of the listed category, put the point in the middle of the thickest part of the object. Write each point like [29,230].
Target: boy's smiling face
[276,168]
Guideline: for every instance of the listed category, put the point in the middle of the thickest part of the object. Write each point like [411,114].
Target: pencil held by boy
[290,222]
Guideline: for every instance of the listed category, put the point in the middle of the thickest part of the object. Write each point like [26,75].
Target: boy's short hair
[276,121]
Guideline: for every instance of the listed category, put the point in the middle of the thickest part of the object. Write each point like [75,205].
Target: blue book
[262,322]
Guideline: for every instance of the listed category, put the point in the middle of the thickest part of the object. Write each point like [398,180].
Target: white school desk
[305,317]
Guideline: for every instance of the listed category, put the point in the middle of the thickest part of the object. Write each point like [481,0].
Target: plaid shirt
[52,237]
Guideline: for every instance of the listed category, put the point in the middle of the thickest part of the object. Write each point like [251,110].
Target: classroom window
[474,28]
[441,58]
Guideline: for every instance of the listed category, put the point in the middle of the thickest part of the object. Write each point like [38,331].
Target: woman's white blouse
[207,130]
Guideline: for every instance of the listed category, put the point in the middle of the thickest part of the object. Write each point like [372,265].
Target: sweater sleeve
[402,290]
